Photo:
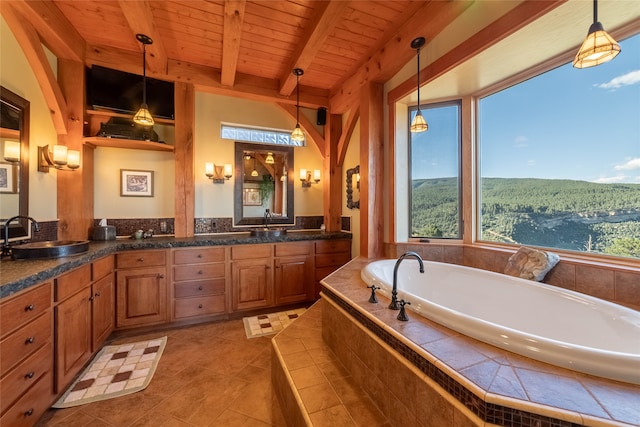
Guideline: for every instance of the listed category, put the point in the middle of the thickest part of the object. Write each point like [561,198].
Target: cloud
[624,80]
[612,179]
[521,141]
[630,164]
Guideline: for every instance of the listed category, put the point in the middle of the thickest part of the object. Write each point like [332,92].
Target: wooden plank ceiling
[246,48]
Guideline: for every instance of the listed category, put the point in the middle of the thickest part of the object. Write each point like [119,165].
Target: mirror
[264,180]
[14,176]
[353,188]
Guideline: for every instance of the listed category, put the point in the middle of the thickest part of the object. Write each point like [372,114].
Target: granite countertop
[21,274]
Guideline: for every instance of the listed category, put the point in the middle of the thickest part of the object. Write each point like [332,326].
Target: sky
[580,124]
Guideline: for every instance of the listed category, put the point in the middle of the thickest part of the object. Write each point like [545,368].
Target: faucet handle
[403,314]
[373,298]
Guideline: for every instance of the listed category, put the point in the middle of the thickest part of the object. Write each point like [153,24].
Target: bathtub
[539,321]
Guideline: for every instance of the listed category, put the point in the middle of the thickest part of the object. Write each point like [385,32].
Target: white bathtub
[539,321]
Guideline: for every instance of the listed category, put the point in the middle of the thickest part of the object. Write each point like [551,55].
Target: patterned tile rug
[269,324]
[115,371]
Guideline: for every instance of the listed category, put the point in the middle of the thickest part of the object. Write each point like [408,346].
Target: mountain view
[564,214]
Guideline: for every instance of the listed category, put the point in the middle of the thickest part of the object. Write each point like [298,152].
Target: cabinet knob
[97,294]
[199,255]
[28,413]
[160,276]
[199,305]
[200,288]
[30,375]
[30,307]
[200,272]
[140,259]
[91,298]
[30,340]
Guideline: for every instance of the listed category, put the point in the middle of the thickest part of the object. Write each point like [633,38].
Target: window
[434,156]
[258,135]
[560,159]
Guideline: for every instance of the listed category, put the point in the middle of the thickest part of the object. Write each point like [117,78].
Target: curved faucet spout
[6,249]
[394,292]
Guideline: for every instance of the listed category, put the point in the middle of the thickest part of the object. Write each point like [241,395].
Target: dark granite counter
[21,274]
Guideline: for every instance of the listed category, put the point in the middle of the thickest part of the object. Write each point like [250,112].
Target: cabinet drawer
[70,283]
[26,411]
[198,288]
[25,341]
[293,249]
[333,246]
[136,259]
[251,251]
[102,267]
[200,306]
[198,255]
[25,375]
[332,260]
[196,272]
[22,309]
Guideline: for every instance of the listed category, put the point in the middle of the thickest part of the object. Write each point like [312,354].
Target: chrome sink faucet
[394,292]
[6,249]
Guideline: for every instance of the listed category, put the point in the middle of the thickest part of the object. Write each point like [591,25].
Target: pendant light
[598,48]
[269,159]
[254,172]
[297,135]
[419,124]
[143,116]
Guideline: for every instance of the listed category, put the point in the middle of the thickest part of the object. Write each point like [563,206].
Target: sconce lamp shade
[419,124]
[297,134]
[143,116]
[60,158]
[73,159]
[228,171]
[12,151]
[218,173]
[316,175]
[599,47]
[303,174]
[59,155]
[208,169]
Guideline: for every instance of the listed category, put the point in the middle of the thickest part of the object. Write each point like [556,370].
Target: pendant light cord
[144,73]
[595,10]
[418,75]
[297,99]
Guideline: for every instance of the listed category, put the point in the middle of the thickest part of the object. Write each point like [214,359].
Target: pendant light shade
[254,172]
[269,159]
[143,116]
[418,124]
[599,47]
[297,135]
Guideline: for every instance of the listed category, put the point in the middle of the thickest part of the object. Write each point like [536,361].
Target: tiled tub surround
[421,373]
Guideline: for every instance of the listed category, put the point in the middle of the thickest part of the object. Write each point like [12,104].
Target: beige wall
[351,160]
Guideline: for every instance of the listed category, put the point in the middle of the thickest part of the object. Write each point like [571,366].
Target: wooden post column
[332,175]
[185,112]
[371,171]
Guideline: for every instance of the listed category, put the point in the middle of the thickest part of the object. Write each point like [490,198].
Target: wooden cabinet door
[294,279]
[141,296]
[73,336]
[252,283]
[104,320]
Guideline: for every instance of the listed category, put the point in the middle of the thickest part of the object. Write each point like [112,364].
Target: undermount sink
[268,232]
[49,249]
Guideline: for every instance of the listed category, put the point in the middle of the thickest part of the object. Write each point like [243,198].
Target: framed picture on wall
[136,183]
[7,178]
[252,197]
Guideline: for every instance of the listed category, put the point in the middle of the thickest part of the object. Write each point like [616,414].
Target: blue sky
[581,124]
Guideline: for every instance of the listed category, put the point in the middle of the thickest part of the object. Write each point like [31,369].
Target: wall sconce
[305,177]
[61,158]
[12,151]
[218,174]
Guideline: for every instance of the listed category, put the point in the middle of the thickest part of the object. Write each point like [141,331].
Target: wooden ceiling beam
[307,126]
[233,20]
[30,44]
[325,17]
[55,30]
[139,16]
[345,137]
[429,20]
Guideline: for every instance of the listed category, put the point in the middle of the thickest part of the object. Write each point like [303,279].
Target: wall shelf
[99,141]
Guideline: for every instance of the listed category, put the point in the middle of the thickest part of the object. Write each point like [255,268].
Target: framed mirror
[264,180]
[14,175]
[353,188]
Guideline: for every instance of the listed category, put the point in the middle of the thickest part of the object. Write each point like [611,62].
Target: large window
[560,159]
[434,178]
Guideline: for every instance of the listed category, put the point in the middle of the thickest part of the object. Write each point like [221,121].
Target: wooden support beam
[343,144]
[307,126]
[185,108]
[139,16]
[56,32]
[332,191]
[396,52]
[371,171]
[30,44]
[233,19]
[325,17]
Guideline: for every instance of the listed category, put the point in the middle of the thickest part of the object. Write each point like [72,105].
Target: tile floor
[209,375]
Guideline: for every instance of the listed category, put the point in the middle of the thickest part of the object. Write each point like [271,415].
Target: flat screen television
[122,92]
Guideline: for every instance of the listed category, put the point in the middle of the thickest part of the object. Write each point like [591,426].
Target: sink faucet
[394,291]
[6,249]
[267,218]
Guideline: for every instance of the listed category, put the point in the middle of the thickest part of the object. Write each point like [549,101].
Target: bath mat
[116,370]
[269,324]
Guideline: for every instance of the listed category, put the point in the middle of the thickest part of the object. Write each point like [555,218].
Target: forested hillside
[575,215]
